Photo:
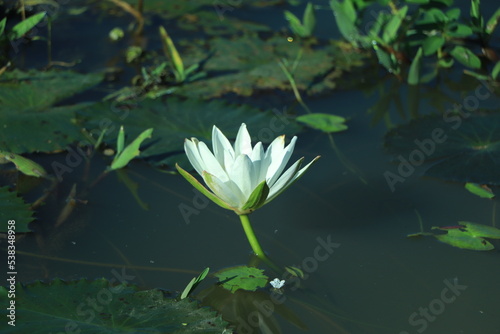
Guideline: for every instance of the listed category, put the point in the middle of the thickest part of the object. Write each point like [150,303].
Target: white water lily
[277,283]
[241,177]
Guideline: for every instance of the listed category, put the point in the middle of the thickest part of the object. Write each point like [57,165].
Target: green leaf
[13,207]
[242,277]
[309,19]
[466,57]
[476,75]
[36,90]
[295,23]
[479,190]
[345,16]
[131,151]
[461,239]
[414,72]
[105,309]
[2,25]
[459,31]
[195,183]
[257,197]
[173,55]
[432,44]
[194,283]
[26,100]
[23,27]
[325,122]
[392,27]
[478,230]
[24,165]
[492,22]
[475,14]
[495,71]
[174,120]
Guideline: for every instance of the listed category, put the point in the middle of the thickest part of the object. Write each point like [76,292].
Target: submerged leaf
[457,147]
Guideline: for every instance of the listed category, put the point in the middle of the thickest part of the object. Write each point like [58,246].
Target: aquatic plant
[242,178]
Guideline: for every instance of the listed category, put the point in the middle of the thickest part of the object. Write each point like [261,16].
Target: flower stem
[252,239]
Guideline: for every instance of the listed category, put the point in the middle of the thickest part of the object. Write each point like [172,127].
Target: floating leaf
[477,230]
[13,207]
[242,277]
[24,165]
[324,122]
[457,147]
[97,307]
[461,239]
[174,120]
[25,103]
[248,64]
[479,190]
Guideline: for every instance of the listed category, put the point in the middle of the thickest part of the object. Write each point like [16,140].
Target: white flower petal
[284,180]
[279,162]
[241,175]
[191,148]
[227,191]
[243,143]
[223,150]
[288,178]
[211,164]
[274,149]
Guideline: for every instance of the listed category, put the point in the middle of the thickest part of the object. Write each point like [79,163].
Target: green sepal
[257,198]
[130,152]
[194,283]
[24,165]
[195,183]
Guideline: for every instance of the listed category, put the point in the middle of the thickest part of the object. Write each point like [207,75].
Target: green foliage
[427,32]
[124,155]
[174,120]
[479,190]
[306,27]
[13,207]
[48,307]
[24,165]
[468,236]
[242,277]
[26,102]
[194,283]
[323,122]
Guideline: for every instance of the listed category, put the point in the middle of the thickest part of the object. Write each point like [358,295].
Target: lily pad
[324,122]
[462,239]
[173,120]
[242,277]
[248,64]
[26,102]
[98,307]
[13,207]
[478,230]
[456,148]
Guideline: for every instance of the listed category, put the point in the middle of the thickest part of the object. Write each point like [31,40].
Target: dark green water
[375,281]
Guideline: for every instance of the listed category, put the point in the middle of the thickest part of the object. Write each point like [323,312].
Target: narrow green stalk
[252,239]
